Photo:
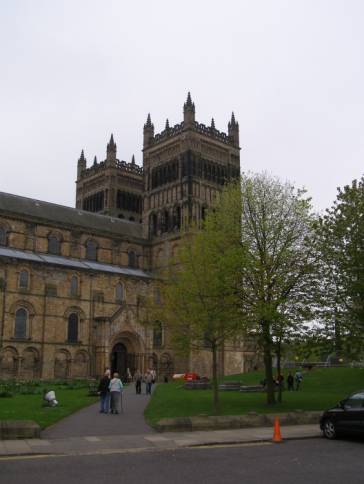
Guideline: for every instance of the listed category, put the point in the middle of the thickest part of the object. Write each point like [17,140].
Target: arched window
[119,292]
[157,295]
[91,250]
[54,245]
[21,317]
[2,236]
[24,279]
[74,286]
[132,259]
[157,334]
[72,328]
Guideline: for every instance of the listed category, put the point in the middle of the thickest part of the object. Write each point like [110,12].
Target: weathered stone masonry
[73,282]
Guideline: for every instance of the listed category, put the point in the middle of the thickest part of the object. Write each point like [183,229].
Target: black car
[346,418]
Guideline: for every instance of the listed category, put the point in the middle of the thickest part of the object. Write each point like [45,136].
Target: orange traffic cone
[277,438]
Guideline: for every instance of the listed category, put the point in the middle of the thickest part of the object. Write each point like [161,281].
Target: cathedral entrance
[121,360]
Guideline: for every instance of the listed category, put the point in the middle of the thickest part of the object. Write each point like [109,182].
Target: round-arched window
[157,334]
[24,279]
[72,336]
[132,259]
[21,317]
[2,236]
[91,250]
[54,245]
[74,286]
[119,292]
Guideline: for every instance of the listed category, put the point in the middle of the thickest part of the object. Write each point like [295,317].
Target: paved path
[89,422]
[119,444]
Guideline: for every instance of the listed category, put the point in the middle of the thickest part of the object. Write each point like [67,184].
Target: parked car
[346,418]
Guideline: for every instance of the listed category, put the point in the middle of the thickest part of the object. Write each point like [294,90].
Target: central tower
[185,166]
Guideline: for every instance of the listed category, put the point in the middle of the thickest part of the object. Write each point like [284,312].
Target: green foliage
[199,300]
[341,237]
[321,389]
[278,269]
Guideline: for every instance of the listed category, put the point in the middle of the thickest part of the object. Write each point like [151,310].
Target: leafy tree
[278,258]
[251,269]
[199,300]
[341,236]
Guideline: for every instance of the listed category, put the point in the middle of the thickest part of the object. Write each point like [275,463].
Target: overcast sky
[73,72]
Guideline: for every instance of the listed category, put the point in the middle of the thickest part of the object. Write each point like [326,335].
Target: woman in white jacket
[115,387]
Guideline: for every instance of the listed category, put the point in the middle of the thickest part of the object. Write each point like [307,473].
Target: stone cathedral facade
[74,281]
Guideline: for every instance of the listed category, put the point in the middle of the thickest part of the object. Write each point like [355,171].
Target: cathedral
[74,282]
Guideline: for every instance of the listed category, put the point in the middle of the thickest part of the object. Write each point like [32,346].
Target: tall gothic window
[91,250]
[54,245]
[21,317]
[2,236]
[119,292]
[72,336]
[24,279]
[74,286]
[157,295]
[132,259]
[157,334]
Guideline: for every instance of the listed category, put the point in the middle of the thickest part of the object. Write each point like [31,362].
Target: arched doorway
[121,360]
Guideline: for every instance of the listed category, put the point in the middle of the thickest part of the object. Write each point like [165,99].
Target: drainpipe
[3,308]
[43,330]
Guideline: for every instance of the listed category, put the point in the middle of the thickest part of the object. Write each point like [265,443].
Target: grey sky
[74,71]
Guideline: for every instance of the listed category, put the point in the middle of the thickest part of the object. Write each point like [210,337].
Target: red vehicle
[191,376]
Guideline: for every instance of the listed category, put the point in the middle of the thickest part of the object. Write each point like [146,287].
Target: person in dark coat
[104,392]
[290,382]
[138,382]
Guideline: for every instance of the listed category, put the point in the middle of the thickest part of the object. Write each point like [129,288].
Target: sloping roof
[53,214]
[68,262]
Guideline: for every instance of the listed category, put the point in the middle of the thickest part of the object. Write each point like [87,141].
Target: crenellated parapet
[190,124]
[214,133]
[110,187]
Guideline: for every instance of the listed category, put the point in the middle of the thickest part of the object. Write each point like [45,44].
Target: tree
[277,262]
[341,236]
[199,300]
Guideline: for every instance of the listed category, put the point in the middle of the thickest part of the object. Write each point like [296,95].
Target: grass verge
[29,407]
[321,388]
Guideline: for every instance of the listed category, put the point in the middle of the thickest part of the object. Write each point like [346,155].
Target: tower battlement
[110,187]
[189,123]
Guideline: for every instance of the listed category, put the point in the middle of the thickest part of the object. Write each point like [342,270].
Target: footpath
[114,444]
[88,432]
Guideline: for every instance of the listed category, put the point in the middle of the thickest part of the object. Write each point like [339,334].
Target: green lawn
[29,407]
[321,388]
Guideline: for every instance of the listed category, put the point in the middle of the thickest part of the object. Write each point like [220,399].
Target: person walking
[148,383]
[290,382]
[138,382]
[104,392]
[116,388]
[298,379]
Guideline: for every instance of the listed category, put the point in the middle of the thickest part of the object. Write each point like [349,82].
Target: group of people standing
[297,379]
[149,379]
[293,382]
[110,389]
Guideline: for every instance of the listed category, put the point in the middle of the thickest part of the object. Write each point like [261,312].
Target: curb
[201,445]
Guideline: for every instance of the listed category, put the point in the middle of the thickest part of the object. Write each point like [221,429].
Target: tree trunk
[338,342]
[267,348]
[215,388]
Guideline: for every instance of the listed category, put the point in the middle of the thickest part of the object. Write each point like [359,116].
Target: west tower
[110,187]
